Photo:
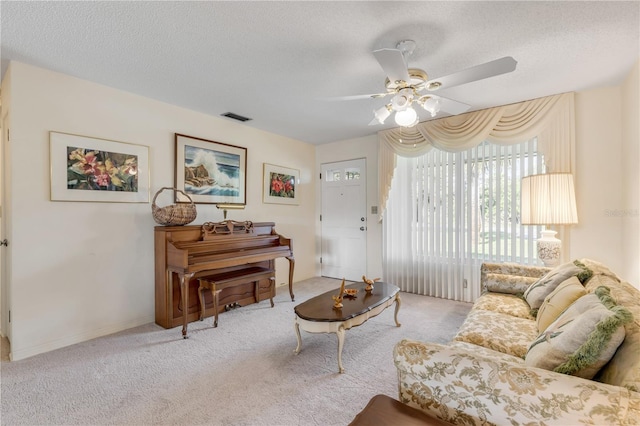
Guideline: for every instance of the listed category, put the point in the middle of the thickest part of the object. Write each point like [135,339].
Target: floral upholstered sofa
[540,347]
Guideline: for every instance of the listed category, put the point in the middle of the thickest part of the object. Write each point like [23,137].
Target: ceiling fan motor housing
[417,76]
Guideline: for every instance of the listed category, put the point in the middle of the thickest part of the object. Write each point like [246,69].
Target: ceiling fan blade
[452,107]
[479,72]
[357,97]
[393,63]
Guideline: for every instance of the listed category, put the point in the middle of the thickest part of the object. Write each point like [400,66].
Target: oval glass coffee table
[317,314]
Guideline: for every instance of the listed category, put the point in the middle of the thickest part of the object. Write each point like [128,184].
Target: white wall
[367,148]
[630,91]
[598,177]
[82,270]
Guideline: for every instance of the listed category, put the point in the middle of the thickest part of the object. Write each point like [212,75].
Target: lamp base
[549,248]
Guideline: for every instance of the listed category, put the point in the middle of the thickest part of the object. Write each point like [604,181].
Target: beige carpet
[242,373]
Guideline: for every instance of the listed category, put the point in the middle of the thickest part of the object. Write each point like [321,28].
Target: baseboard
[62,342]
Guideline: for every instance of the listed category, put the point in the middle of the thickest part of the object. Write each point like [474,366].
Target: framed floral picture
[84,168]
[281,185]
[210,172]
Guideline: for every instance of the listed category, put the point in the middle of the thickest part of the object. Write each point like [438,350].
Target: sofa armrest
[510,278]
[463,386]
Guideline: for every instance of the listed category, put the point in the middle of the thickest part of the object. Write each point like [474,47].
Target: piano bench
[217,282]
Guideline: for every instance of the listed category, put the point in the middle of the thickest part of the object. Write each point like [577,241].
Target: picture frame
[281,185]
[210,172]
[85,168]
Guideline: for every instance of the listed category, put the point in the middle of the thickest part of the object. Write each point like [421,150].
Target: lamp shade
[548,199]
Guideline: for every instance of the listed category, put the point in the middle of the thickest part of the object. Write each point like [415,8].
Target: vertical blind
[448,212]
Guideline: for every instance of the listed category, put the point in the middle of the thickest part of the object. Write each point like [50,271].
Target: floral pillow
[583,338]
[558,300]
[539,290]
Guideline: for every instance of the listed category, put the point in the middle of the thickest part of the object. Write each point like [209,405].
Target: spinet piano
[183,254]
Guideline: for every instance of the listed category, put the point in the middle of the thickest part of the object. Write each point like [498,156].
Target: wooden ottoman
[385,411]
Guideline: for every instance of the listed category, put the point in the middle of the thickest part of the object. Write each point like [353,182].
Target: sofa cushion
[509,304]
[558,300]
[583,338]
[508,284]
[539,290]
[500,332]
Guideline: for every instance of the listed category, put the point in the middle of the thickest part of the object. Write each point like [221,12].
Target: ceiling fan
[412,85]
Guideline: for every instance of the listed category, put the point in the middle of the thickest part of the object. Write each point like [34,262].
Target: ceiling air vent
[235,116]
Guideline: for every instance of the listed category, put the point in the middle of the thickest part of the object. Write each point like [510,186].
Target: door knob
[362,228]
[362,219]
[4,243]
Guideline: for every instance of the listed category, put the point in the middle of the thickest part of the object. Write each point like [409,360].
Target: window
[449,212]
[350,173]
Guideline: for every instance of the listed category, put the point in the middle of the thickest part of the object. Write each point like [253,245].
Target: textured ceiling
[276,62]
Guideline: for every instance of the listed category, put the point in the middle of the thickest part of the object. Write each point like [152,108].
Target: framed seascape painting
[91,169]
[280,185]
[210,172]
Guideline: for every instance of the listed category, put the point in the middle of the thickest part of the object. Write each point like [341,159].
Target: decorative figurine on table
[369,282]
[337,300]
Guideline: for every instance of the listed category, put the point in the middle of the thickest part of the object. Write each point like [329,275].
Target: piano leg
[184,293]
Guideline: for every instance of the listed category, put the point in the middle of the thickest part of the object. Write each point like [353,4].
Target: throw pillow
[583,338]
[558,300]
[585,274]
[537,292]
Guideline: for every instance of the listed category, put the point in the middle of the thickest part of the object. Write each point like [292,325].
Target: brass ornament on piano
[226,227]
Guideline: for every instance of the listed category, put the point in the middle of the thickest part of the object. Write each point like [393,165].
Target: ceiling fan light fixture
[431,105]
[402,100]
[382,113]
[407,117]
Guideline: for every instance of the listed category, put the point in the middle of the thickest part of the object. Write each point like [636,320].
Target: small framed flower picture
[281,185]
[91,169]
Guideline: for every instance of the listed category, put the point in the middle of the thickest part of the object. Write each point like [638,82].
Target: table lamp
[548,199]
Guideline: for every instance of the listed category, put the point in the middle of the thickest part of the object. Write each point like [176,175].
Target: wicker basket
[175,214]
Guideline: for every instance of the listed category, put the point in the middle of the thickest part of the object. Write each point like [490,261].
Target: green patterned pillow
[583,338]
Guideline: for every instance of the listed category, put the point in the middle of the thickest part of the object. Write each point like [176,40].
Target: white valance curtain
[551,119]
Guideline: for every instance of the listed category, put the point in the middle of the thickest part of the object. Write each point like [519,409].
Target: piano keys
[184,254]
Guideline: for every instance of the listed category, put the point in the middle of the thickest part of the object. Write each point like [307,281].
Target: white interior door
[4,287]
[344,220]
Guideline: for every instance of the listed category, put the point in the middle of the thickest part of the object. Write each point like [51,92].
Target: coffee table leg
[340,333]
[395,315]
[297,327]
